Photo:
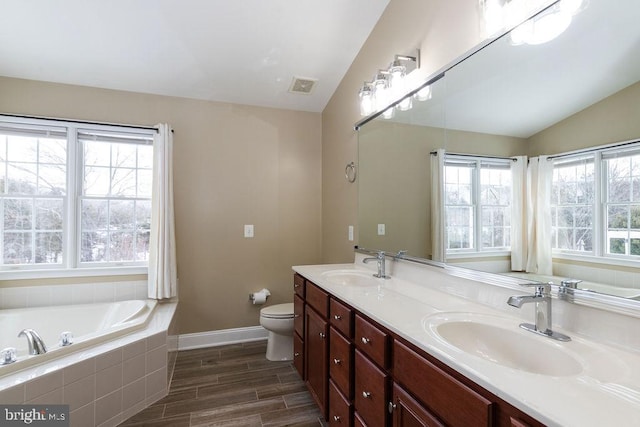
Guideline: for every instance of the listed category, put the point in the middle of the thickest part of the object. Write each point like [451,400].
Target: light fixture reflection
[500,15]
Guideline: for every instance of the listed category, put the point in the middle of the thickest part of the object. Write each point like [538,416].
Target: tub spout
[36,344]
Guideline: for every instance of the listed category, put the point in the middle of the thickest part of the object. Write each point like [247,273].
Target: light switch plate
[351,233]
[248,230]
[381,229]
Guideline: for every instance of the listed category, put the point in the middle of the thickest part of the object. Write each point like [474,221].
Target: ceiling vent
[303,85]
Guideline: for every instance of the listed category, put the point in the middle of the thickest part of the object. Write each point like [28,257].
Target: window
[477,203]
[74,197]
[572,204]
[596,203]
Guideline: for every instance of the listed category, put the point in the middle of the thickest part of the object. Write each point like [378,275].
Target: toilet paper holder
[264,291]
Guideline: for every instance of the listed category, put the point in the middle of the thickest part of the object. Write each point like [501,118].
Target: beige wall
[614,119]
[443,30]
[234,165]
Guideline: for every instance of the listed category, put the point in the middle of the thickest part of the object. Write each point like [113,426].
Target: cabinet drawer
[452,401]
[298,355]
[317,298]
[372,341]
[341,316]
[370,391]
[340,361]
[339,408]
[298,285]
[298,315]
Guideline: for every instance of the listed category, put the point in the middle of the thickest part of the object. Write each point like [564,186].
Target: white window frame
[71,265]
[600,253]
[476,250]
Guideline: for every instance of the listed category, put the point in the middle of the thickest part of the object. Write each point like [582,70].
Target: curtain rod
[594,149]
[435,153]
[84,122]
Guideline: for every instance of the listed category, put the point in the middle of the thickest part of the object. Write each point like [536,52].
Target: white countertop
[606,392]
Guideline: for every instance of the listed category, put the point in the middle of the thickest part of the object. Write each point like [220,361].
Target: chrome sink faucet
[542,299]
[380,258]
[36,344]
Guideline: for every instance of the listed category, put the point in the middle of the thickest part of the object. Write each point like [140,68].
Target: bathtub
[90,325]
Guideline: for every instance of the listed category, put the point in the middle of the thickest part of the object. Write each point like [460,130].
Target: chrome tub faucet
[36,344]
[542,300]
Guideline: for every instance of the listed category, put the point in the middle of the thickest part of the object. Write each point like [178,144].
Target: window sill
[488,254]
[72,272]
[597,260]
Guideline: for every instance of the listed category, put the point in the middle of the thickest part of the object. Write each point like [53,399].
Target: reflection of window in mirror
[477,204]
[605,177]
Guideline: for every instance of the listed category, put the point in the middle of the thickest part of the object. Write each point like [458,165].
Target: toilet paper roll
[260,297]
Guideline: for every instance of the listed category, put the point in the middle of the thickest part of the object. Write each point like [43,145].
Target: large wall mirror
[570,95]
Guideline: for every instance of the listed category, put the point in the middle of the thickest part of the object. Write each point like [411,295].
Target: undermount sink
[348,277]
[501,341]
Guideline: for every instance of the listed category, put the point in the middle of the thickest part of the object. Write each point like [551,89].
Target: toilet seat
[278,311]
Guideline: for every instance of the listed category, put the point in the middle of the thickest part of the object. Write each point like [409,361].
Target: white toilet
[278,320]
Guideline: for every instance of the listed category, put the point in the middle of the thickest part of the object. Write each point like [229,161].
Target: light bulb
[424,94]
[366,99]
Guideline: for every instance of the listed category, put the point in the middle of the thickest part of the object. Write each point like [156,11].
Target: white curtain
[539,178]
[163,281]
[518,214]
[437,206]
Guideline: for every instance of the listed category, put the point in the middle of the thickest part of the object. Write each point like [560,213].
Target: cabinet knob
[366,394]
[296,354]
[336,418]
[337,316]
[365,340]
[295,285]
[391,407]
[296,315]
[322,335]
[337,361]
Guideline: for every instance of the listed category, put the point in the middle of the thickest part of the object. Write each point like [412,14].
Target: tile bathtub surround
[232,385]
[104,389]
[106,384]
[82,293]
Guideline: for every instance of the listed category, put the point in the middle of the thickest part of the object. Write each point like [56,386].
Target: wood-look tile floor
[233,385]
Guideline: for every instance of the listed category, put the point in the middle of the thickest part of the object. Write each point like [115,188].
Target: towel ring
[350,172]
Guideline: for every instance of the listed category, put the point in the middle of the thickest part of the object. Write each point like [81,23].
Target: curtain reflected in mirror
[540,170]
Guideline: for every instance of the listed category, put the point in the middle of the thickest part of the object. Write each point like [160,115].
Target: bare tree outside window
[477,204]
[116,201]
[33,190]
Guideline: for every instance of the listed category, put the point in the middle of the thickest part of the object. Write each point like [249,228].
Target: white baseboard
[221,337]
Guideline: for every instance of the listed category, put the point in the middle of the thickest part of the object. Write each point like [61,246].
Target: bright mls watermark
[34,415]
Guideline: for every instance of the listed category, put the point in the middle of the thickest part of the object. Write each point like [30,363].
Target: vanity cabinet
[298,325]
[361,374]
[408,412]
[316,342]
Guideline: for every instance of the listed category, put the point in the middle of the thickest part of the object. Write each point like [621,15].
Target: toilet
[278,320]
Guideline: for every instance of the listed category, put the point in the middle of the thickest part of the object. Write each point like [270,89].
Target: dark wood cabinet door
[407,412]
[370,391]
[340,408]
[453,402]
[298,315]
[317,356]
[340,361]
[298,355]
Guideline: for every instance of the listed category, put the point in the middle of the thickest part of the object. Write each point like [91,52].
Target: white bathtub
[90,324]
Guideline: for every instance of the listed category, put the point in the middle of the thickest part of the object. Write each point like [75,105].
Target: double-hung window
[596,203]
[74,196]
[573,199]
[477,204]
